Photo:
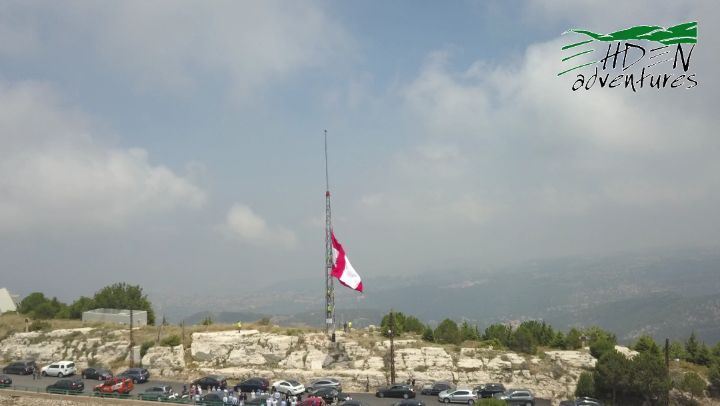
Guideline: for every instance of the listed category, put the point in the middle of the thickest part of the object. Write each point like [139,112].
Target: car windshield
[294,383]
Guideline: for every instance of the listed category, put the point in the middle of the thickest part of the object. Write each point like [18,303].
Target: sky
[179,145]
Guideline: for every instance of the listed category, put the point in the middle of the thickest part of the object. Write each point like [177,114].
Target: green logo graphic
[629,38]
[685,33]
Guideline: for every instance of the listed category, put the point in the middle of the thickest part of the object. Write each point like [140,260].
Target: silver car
[325,383]
[515,397]
[460,395]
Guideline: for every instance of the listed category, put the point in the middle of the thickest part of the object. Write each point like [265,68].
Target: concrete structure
[8,302]
[119,316]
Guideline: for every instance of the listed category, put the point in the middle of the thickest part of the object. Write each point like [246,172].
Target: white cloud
[247,226]
[56,171]
[178,45]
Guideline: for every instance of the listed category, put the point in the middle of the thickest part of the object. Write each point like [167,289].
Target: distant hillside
[224,317]
[666,294]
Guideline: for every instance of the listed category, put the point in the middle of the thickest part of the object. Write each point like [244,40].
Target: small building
[8,302]
[118,316]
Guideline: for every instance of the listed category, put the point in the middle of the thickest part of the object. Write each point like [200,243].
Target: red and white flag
[342,269]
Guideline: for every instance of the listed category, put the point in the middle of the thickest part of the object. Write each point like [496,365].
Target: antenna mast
[329,288]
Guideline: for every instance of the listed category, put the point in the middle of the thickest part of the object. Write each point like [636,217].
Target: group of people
[231,397]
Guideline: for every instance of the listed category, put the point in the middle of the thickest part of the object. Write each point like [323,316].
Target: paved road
[366,398]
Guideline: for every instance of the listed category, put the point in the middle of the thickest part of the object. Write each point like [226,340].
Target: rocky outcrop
[360,360]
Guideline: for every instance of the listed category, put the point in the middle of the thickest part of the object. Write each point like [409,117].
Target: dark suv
[138,375]
[253,385]
[489,390]
[20,368]
[211,381]
[67,386]
[436,388]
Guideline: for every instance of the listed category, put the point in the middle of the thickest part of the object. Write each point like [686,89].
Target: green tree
[31,302]
[677,350]
[646,344]
[394,321]
[693,384]
[468,332]
[573,339]
[82,304]
[498,332]
[428,334]
[559,340]
[692,347]
[447,332]
[523,340]
[124,296]
[601,345]
[650,377]
[714,376]
[585,385]
[414,325]
[703,356]
[612,375]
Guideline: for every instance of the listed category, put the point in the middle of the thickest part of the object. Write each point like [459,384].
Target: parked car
[138,375]
[5,381]
[20,368]
[582,401]
[329,394]
[59,369]
[253,385]
[396,391]
[436,388]
[118,385]
[212,399]
[258,401]
[324,383]
[289,387]
[100,374]
[408,402]
[460,395]
[211,381]
[489,390]
[159,393]
[66,386]
[514,397]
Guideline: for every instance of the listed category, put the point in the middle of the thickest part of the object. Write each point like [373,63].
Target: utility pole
[391,333]
[329,288]
[182,328]
[132,344]
[667,367]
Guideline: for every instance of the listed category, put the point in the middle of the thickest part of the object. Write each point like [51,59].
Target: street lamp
[392,348]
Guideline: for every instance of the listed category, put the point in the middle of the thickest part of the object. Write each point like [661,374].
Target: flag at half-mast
[342,270]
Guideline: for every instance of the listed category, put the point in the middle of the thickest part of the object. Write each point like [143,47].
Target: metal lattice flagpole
[329,288]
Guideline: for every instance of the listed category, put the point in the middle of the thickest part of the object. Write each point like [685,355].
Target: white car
[289,387]
[59,369]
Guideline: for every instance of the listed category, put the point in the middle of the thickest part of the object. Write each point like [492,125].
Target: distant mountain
[665,294]
[223,317]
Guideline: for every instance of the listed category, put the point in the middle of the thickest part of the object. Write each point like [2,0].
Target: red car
[116,385]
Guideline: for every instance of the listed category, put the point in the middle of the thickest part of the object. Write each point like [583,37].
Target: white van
[59,369]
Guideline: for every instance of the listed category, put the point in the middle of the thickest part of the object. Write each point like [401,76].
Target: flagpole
[329,288]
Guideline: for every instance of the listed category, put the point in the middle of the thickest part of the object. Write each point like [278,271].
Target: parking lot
[27,382]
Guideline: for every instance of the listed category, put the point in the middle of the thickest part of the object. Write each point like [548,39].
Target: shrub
[145,347]
[693,384]
[265,321]
[172,341]
[39,325]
